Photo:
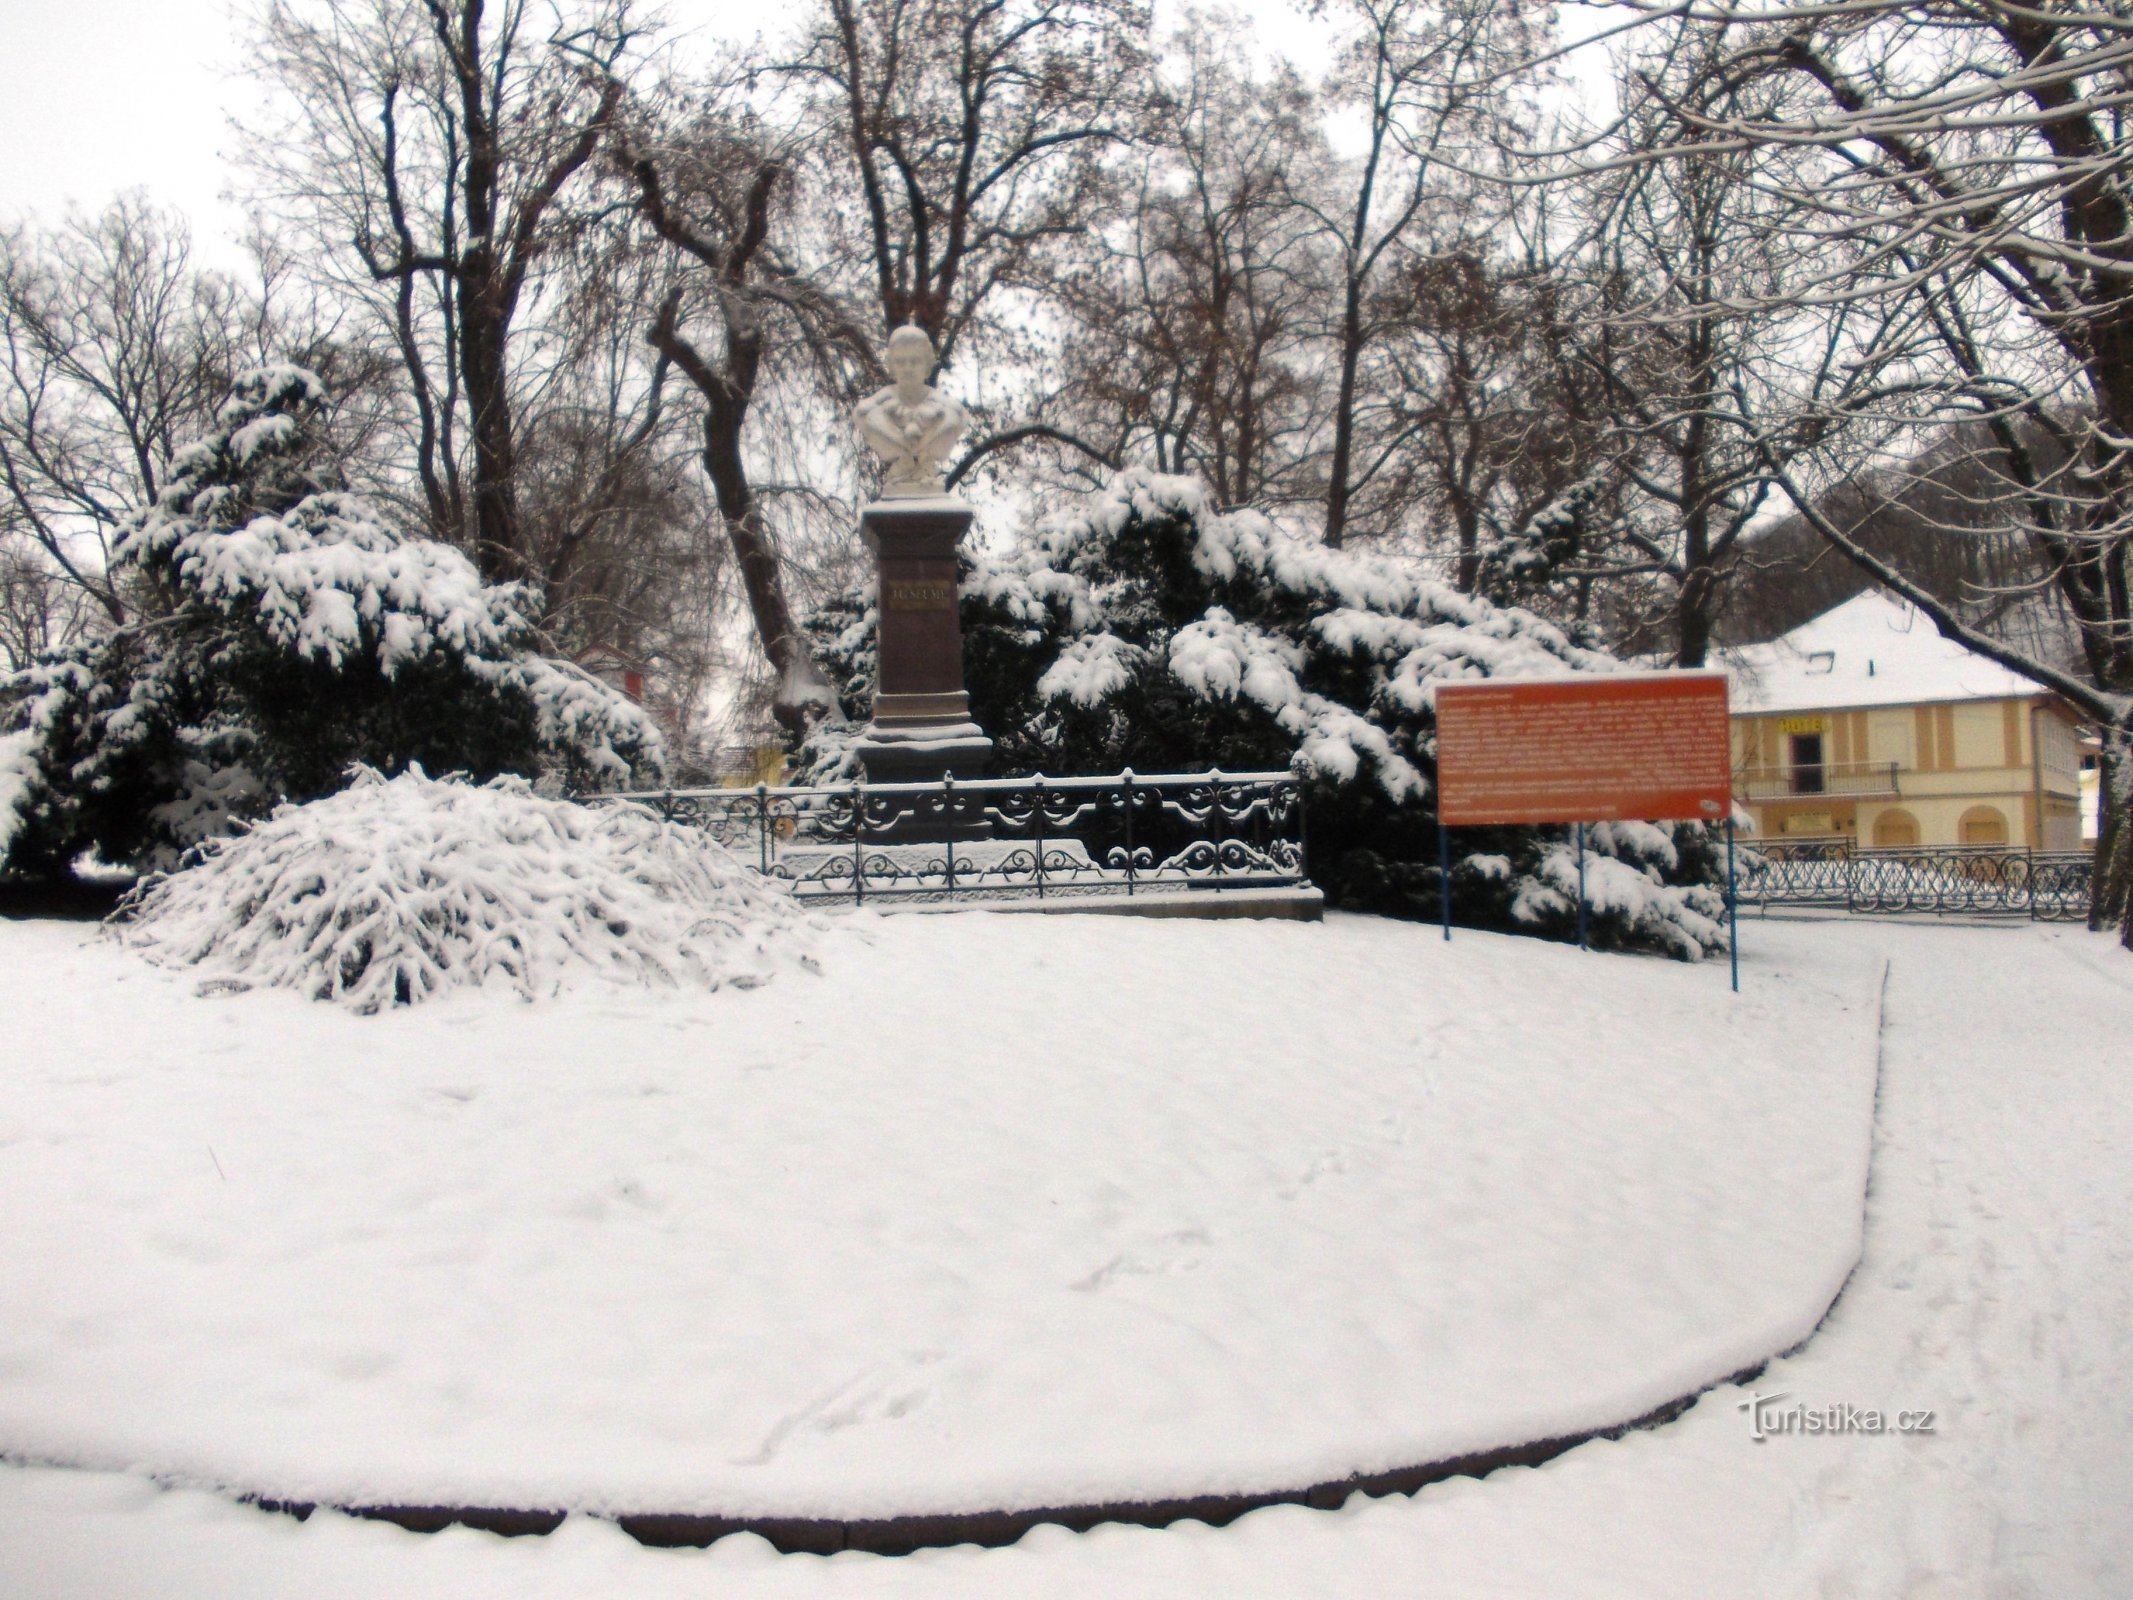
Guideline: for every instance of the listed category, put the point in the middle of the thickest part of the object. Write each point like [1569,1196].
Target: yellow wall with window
[1993,771]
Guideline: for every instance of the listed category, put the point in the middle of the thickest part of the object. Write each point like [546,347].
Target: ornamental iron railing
[1037,836]
[1854,778]
[1952,880]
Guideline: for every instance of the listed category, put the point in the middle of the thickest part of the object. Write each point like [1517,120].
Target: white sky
[99,96]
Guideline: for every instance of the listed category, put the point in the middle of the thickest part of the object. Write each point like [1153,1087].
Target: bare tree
[117,348]
[1493,415]
[1704,365]
[709,184]
[974,131]
[436,155]
[965,144]
[39,609]
[1966,169]
[1187,339]
[1424,82]
[1951,517]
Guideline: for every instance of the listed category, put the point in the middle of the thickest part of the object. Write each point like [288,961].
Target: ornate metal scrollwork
[1124,834]
[1955,880]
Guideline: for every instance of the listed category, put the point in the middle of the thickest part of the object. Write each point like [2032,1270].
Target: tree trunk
[1693,607]
[802,696]
[1344,415]
[2111,873]
[484,369]
[1696,600]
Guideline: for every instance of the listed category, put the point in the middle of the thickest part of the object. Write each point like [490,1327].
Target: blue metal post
[1444,877]
[1581,886]
[1732,908]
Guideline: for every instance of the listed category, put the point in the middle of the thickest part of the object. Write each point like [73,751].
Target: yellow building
[1865,723]
[745,766]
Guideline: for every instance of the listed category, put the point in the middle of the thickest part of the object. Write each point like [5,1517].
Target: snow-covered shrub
[1145,629]
[285,630]
[395,890]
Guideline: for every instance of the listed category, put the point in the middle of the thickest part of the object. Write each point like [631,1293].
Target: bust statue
[910,425]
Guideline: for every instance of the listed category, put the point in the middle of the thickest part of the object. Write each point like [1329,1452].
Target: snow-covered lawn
[1996,1288]
[1000,1211]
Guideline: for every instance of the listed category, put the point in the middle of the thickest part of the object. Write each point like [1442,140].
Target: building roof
[1873,650]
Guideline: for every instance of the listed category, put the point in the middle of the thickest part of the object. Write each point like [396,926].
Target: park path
[1997,1286]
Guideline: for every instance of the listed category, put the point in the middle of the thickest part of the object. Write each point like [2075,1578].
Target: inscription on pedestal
[917,594]
[921,729]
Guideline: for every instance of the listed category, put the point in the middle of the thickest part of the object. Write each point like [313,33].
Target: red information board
[1644,746]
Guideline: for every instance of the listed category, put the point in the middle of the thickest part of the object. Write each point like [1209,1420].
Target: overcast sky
[102,95]
[98,96]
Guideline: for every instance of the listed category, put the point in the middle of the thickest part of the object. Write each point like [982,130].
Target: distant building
[617,669]
[1865,723]
[743,766]
[2091,787]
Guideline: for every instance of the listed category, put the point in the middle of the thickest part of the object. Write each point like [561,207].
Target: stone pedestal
[921,731]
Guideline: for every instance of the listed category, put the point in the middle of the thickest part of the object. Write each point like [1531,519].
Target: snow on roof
[1870,651]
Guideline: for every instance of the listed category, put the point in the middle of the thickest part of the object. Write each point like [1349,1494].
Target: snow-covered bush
[394,891]
[1145,629]
[285,629]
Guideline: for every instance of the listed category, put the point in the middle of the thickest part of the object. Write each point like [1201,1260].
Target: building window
[1889,738]
[1983,825]
[1895,829]
[1806,763]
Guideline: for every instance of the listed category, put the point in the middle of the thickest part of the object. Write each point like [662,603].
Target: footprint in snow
[880,1395]
[1174,1252]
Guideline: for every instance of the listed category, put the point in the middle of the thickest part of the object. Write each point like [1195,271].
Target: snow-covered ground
[1995,1288]
[996,1212]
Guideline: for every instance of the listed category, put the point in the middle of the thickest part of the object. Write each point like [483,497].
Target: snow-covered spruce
[396,890]
[1146,629]
[284,629]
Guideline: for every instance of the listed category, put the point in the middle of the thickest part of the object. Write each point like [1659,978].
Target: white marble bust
[910,425]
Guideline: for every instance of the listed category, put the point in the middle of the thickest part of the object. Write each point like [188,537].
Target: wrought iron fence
[1963,880]
[1124,834]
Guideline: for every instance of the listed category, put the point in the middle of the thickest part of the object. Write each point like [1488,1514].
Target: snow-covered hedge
[394,891]
[1146,629]
[284,630]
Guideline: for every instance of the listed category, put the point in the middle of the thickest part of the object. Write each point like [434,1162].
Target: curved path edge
[895,1536]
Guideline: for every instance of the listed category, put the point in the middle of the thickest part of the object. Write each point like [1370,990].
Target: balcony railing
[1856,779]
